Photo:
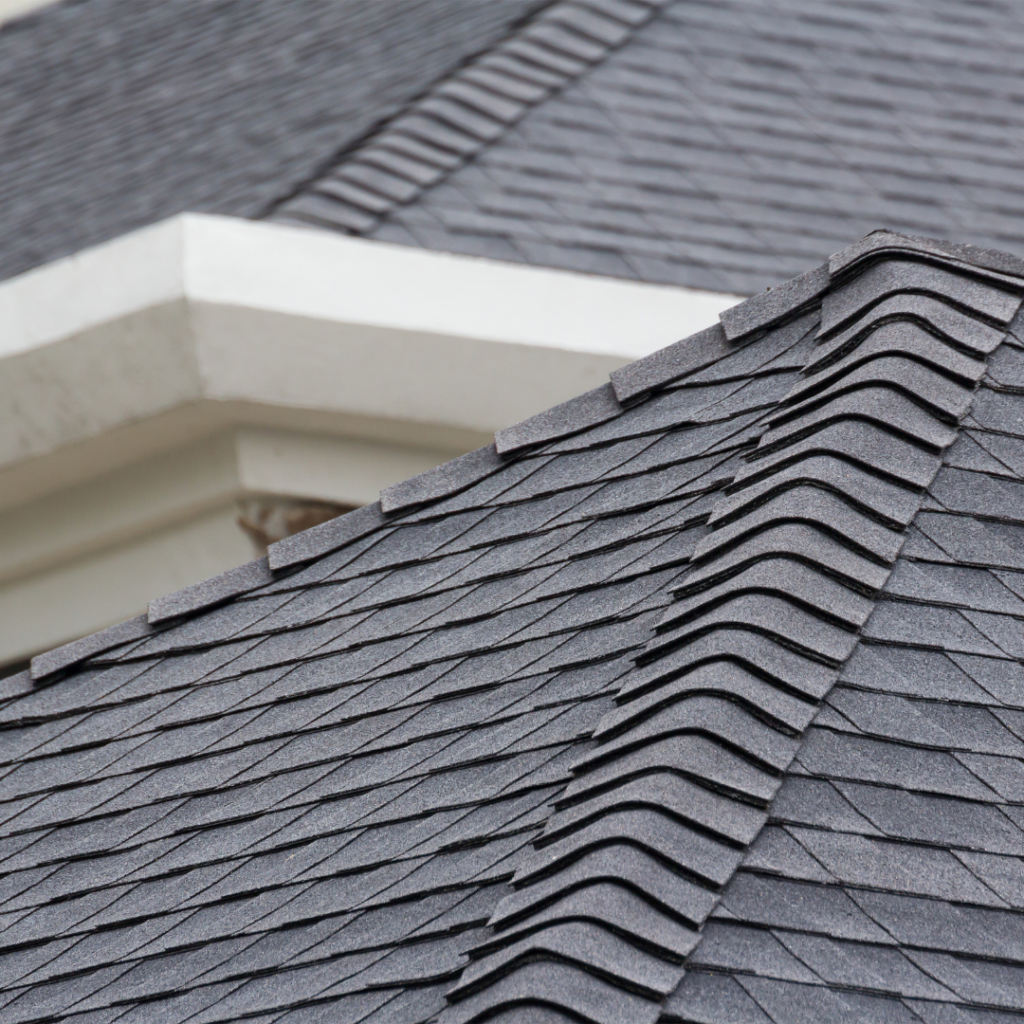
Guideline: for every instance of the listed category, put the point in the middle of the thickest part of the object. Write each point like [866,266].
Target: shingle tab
[561,730]
[47,664]
[669,364]
[446,479]
[569,418]
[327,537]
[775,304]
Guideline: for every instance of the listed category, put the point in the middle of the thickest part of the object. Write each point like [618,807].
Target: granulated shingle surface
[721,145]
[118,115]
[698,712]
[730,145]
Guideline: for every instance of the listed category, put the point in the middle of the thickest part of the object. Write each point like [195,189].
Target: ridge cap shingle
[809,597]
[463,113]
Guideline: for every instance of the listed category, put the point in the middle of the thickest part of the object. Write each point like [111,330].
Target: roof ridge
[682,773]
[466,111]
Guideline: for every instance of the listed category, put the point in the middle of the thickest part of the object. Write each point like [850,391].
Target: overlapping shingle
[714,146]
[238,107]
[806,594]
[696,709]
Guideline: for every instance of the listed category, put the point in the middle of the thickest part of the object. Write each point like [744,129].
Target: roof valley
[679,782]
[465,112]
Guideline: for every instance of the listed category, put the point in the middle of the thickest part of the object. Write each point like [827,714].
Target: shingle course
[238,110]
[565,696]
[795,147]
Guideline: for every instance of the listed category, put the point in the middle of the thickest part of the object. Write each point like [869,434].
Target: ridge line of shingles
[468,110]
[739,325]
[771,607]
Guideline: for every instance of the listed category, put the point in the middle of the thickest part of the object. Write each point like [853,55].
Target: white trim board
[312,273]
[149,384]
[203,322]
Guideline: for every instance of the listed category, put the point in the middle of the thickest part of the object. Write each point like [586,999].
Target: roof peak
[800,541]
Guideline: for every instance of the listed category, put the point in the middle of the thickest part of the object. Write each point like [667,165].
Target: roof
[120,115]
[698,699]
[723,145]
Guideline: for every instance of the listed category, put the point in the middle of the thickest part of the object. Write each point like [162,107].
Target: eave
[358,363]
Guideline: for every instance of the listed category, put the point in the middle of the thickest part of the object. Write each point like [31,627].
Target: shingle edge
[639,378]
[597,406]
[210,592]
[441,481]
[319,540]
[43,665]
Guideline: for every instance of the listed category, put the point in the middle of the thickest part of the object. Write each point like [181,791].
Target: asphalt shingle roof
[116,115]
[721,144]
[697,699]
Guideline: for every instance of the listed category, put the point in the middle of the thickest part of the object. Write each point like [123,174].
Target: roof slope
[722,145]
[696,699]
[118,115]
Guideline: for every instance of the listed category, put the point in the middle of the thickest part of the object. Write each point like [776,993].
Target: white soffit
[311,273]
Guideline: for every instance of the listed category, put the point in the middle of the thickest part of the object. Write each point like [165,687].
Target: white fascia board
[307,272]
[96,286]
[312,273]
[11,9]
[202,323]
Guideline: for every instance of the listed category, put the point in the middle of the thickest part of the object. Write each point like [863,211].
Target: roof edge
[885,242]
[60,658]
[628,385]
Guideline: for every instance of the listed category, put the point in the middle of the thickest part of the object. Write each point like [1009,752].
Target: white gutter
[262,323]
[310,273]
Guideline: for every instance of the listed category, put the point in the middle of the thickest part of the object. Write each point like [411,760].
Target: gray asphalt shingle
[639,692]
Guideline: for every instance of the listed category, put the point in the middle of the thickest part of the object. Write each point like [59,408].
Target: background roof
[723,145]
[730,145]
[117,115]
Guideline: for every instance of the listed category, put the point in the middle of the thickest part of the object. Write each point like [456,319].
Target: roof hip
[471,108]
[680,779]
